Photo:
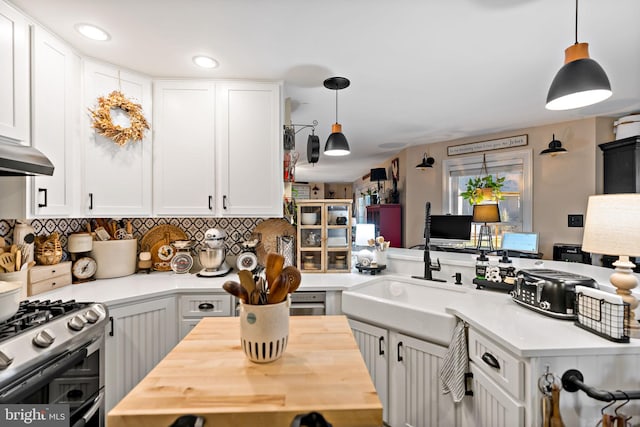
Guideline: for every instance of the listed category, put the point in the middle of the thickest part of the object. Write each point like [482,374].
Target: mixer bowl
[211,258]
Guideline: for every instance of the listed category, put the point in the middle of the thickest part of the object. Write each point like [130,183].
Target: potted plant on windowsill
[482,189]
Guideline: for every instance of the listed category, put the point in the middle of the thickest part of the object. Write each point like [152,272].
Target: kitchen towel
[455,365]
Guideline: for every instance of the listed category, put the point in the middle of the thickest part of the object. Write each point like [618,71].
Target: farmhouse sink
[412,306]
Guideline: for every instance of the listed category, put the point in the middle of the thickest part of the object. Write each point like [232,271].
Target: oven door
[72,378]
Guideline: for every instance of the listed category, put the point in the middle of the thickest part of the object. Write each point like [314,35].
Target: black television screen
[452,227]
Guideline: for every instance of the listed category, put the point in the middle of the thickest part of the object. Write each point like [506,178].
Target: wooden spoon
[279,290]
[292,277]
[236,289]
[8,262]
[246,280]
[556,419]
[274,265]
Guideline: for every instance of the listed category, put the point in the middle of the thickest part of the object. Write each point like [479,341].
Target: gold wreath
[104,125]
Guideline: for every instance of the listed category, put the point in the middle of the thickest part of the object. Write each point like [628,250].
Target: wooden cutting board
[207,374]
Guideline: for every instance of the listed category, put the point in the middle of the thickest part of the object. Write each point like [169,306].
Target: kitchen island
[208,375]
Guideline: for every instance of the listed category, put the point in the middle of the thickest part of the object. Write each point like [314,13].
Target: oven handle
[311,305]
[34,382]
[97,404]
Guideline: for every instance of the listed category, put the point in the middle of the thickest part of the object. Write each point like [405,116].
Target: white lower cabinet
[373,342]
[415,399]
[405,372]
[194,307]
[492,406]
[498,385]
[140,334]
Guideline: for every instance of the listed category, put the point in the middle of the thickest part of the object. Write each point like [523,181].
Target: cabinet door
[117,180]
[338,237]
[311,237]
[249,143]
[14,75]
[184,147]
[373,343]
[492,406]
[415,398]
[140,335]
[55,131]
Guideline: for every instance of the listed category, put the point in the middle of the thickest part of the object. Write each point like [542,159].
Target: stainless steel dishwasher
[308,303]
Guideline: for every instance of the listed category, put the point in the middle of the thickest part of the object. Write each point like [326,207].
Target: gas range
[42,330]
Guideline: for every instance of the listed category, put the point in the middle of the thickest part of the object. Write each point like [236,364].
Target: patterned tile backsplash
[238,229]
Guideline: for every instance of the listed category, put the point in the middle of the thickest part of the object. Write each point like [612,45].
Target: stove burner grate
[34,313]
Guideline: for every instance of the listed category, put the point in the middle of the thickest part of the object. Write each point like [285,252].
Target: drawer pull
[400,359]
[205,306]
[380,344]
[490,360]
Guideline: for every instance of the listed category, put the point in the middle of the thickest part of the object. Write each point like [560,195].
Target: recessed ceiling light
[92,32]
[205,62]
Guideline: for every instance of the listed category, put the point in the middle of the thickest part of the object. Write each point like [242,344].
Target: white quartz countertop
[155,284]
[520,330]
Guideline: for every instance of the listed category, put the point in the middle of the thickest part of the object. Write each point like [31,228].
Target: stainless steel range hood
[19,160]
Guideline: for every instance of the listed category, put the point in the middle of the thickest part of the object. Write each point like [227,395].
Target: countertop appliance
[550,292]
[212,254]
[52,352]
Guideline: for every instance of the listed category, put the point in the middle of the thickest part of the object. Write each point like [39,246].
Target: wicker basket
[48,249]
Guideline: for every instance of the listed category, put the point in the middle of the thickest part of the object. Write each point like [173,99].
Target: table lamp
[612,227]
[485,213]
[378,174]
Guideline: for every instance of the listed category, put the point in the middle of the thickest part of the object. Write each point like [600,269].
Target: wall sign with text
[492,144]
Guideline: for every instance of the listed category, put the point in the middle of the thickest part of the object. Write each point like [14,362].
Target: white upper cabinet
[184,148]
[249,149]
[116,179]
[14,76]
[55,123]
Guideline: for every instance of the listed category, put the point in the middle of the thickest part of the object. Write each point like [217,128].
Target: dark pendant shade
[578,83]
[337,144]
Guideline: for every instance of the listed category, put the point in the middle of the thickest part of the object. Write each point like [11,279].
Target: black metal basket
[603,318]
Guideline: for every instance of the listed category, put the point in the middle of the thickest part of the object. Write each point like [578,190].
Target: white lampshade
[612,226]
[364,232]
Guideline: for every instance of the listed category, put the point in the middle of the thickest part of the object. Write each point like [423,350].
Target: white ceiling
[421,71]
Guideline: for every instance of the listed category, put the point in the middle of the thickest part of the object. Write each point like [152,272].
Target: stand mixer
[212,254]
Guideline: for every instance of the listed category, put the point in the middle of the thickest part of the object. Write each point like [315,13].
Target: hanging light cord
[576,21]
[336,106]
[484,165]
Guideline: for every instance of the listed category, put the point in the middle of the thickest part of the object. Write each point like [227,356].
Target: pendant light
[580,82]
[337,144]
[555,147]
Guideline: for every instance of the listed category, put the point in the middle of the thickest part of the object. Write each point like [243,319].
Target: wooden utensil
[279,290]
[236,289]
[246,280]
[274,265]
[556,419]
[18,259]
[292,277]
[8,262]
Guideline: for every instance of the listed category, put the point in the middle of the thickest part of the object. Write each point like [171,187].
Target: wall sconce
[555,147]
[427,162]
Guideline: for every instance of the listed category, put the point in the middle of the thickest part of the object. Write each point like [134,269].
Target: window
[516,208]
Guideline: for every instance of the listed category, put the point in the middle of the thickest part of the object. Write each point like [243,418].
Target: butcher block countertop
[207,374]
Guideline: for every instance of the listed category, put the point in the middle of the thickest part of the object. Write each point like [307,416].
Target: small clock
[247,261]
[84,268]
